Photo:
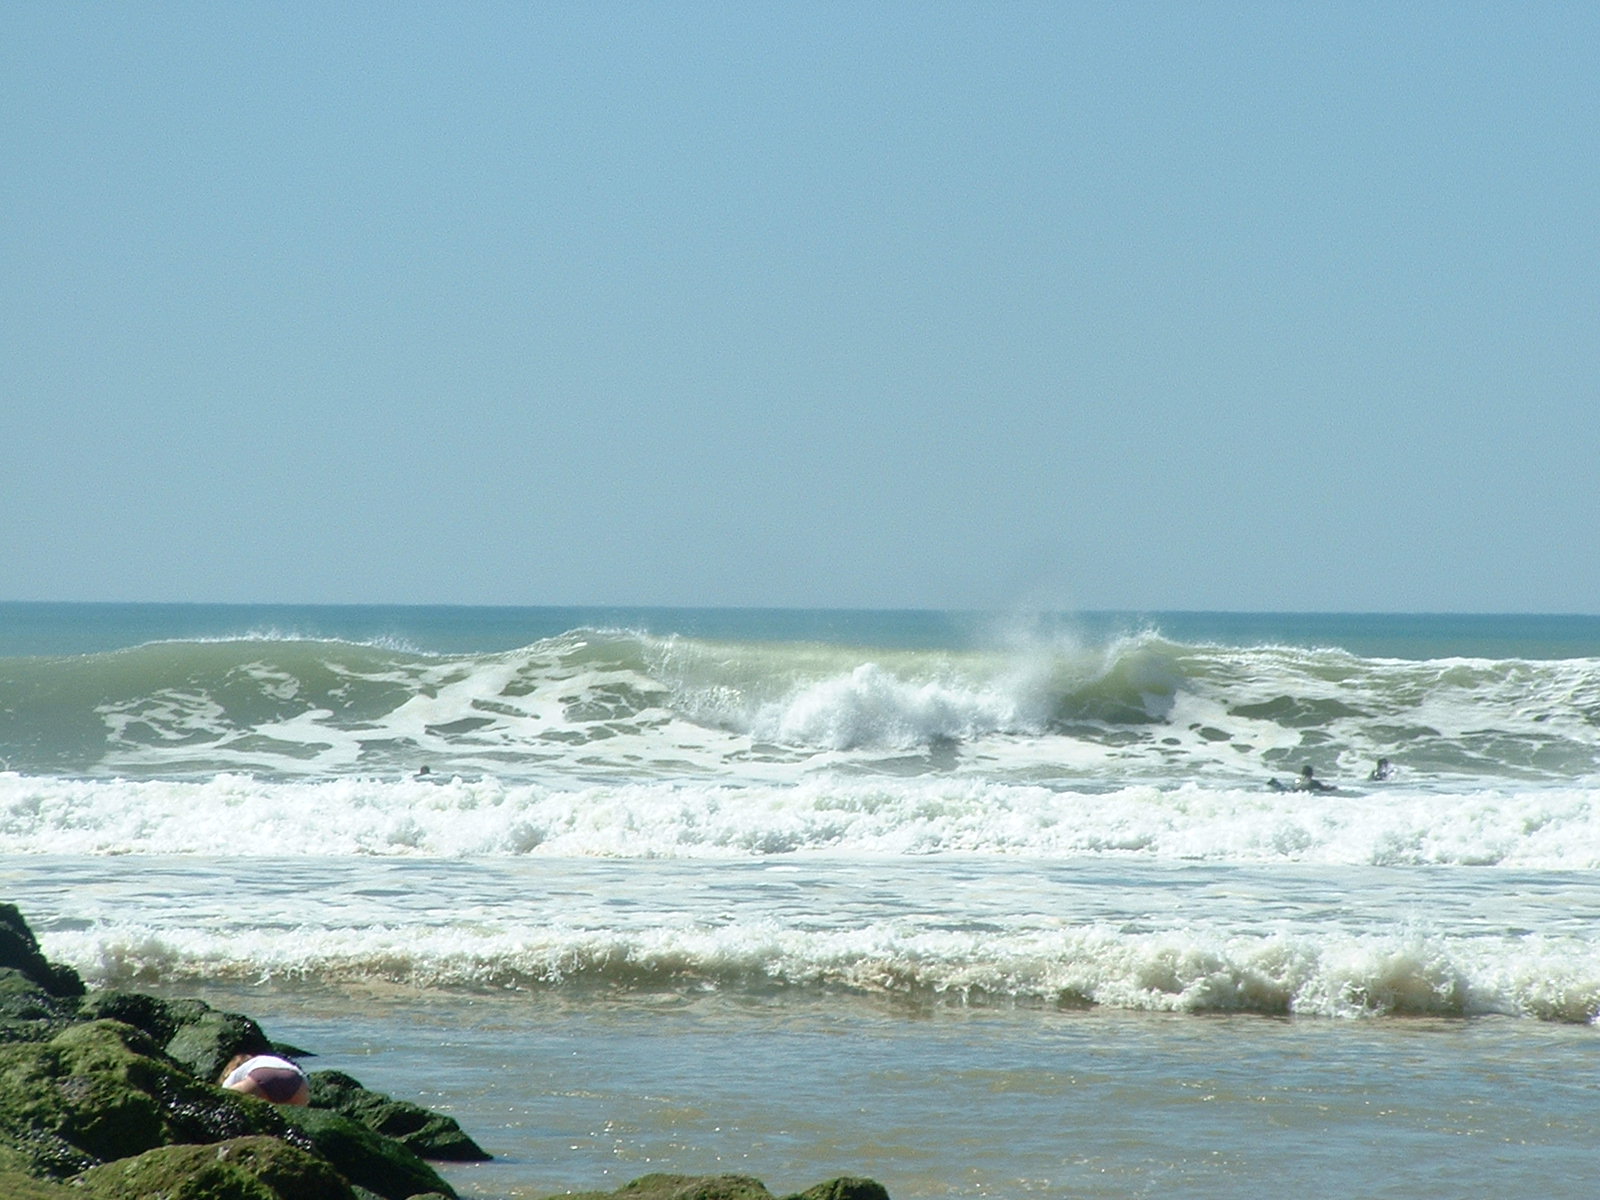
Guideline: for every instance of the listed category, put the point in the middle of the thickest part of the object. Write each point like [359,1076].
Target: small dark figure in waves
[1307,782]
[1384,770]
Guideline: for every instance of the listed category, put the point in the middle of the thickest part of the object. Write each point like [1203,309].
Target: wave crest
[1101,966]
[596,703]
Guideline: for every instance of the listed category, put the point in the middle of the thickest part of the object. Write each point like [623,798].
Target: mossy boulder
[846,1187]
[367,1159]
[204,1046]
[431,1135]
[251,1168]
[23,998]
[201,1039]
[15,1185]
[98,1092]
[28,1011]
[158,1018]
[101,1102]
[20,950]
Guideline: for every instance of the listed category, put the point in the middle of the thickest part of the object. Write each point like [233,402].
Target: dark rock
[158,1018]
[116,1090]
[14,1185]
[367,1159]
[192,1032]
[39,1152]
[252,1168]
[19,949]
[430,1134]
[23,999]
[29,1031]
[66,1109]
[203,1045]
[95,1093]
[721,1187]
[29,1013]
[845,1188]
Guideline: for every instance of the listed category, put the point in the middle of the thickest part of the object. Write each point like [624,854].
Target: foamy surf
[1546,828]
[592,705]
[1195,969]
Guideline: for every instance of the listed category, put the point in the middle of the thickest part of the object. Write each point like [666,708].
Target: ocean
[974,904]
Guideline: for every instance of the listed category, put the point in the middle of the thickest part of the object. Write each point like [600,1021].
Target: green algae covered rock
[430,1134]
[100,1102]
[158,1018]
[252,1168]
[20,950]
[204,1046]
[201,1039]
[111,1095]
[97,1092]
[15,1185]
[846,1187]
[367,1159]
[24,999]
[28,1012]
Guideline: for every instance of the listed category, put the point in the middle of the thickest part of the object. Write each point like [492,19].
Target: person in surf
[1384,770]
[1306,782]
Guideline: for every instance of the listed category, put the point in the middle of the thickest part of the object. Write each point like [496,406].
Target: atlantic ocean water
[976,905]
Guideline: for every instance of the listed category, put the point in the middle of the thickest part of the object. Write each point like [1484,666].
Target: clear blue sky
[1153,306]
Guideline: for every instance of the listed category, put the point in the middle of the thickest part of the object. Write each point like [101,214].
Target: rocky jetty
[111,1095]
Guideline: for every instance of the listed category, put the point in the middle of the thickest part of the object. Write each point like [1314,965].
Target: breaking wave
[1404,974]
[605,704]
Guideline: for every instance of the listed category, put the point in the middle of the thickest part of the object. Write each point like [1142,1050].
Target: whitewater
[966,870]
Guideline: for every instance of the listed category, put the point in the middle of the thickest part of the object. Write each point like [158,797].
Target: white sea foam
[237,814]
[589,705]
[869,706]
[1176,971]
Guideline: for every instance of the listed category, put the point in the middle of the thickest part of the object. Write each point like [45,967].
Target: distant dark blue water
[30,628]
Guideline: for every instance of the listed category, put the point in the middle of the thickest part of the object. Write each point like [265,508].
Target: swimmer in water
[1307,782]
